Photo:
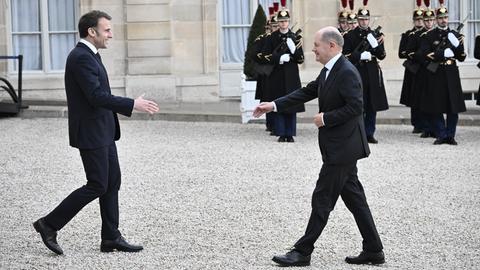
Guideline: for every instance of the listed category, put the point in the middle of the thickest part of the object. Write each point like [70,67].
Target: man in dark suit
[93,129]
[342,140]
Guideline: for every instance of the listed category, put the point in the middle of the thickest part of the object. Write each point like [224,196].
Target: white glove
[284,58]
[372,40]
[291,45]
[453,39]
[448,53]
[366,55]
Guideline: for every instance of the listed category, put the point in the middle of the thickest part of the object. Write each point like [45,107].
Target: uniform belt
[448,62]
[366,61]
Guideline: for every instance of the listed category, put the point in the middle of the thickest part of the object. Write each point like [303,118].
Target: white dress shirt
[89,45]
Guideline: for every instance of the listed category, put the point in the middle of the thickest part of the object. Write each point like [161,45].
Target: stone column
[149,52]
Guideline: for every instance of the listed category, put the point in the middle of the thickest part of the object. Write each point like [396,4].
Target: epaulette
[412,33]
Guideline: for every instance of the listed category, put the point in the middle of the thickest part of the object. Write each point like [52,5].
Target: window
[44,31]
[457,11]
[237,16]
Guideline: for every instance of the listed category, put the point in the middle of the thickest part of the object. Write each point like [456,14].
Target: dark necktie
[323,75]
[98,57]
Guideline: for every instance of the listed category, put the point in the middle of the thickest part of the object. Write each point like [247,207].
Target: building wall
[170,49]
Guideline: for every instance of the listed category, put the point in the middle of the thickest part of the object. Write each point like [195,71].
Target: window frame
[231,65]
[45,34]
[253,9]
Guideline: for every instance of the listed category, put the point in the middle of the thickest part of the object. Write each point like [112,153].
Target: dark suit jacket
[92,118]
[342,140]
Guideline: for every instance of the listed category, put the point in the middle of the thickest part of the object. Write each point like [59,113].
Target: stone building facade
[172,49]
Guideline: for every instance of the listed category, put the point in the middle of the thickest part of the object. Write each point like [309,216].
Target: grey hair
[332,34]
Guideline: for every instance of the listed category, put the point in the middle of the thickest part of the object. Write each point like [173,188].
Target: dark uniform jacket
[408,77]
[92,109]
[261,88]
[477,56]
[417,58]
[372,77]
[343,139]
[444,91]
[284,78]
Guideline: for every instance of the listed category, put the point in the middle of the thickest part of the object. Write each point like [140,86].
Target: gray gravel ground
[228,196]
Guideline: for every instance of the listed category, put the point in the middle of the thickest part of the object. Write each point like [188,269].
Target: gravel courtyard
[228,196]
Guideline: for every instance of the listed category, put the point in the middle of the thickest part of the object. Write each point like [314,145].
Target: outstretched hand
[144,105]
[262,108]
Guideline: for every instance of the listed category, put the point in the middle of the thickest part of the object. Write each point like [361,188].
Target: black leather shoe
[416,130]
[290,139]
[119,244]
[49,236]
[371,139]
[292,258]
[451,141]
[366,257]
[282,139]
[439,141]
[272,133]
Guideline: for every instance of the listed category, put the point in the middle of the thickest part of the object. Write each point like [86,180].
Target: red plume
[350,3]
[427,3]
[344,4]
[419,3]
[271,10]
[365,2]
[284,2]
[441,2]
[275,7]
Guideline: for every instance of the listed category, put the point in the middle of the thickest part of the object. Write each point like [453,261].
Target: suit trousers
[103,182]
[335,181]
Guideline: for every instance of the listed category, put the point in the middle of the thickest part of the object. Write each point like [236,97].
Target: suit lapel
[96,59]
[94,56]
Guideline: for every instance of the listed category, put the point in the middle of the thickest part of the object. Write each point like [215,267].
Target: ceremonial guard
[477,56]
[364,48]
[416,62]
[442,47]
[352,17]
[343,18]
[261,70]
[411,68]
[283,50]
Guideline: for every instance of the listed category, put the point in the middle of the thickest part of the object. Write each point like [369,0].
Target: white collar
[89,45]
[329,65]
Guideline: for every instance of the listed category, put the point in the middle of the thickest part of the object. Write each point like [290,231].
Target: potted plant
[249,83]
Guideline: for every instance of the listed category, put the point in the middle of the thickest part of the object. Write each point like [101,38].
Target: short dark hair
[90,19]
